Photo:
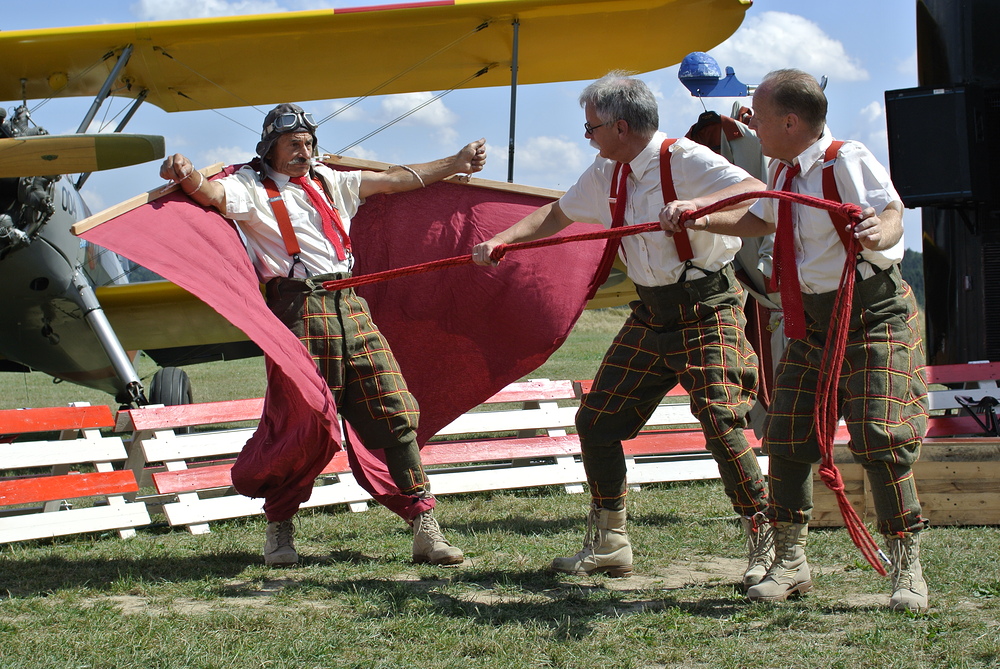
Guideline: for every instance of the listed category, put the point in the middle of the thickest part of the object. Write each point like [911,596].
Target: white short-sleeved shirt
[652,257]
[819,252]
[246,203]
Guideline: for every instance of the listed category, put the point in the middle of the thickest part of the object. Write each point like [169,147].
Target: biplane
[78,314]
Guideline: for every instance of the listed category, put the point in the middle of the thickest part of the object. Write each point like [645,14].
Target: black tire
[170,386]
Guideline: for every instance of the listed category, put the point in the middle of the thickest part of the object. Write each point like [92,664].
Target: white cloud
[546,161]
[363,153]
[227,155]
[908,66]
[164,10]
[434,114]
[872,112]
[773,40]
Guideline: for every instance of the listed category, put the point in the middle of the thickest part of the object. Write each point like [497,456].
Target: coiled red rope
[825,411]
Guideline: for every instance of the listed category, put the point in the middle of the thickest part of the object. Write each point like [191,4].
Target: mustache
[298,161]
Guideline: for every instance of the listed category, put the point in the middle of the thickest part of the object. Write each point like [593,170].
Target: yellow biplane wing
[420,46]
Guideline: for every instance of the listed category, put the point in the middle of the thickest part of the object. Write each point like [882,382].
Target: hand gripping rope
[825,410]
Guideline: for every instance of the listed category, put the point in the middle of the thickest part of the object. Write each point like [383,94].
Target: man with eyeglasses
[295,215]
[687,326]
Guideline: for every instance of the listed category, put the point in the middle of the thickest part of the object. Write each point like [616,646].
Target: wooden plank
[189,415]
[47,419]
[962,373]
[48,453]
[93,221]
[219,476]
[70,486]
[168,446]
[534,391]
[73,521]
[962,509]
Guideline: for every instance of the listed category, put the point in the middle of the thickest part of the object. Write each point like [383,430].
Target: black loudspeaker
[938,146]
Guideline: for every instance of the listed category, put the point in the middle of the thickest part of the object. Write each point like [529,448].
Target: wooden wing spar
[419,46]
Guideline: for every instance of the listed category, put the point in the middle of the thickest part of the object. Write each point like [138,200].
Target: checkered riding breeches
[881,394]
[690,333]
[359,367]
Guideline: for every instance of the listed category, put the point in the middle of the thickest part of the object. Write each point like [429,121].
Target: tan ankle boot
[606,548]
[789,573]
[760,548]
[279,544]
[909,589]
[429,544]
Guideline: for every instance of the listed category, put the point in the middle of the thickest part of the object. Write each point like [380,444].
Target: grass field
[167,599]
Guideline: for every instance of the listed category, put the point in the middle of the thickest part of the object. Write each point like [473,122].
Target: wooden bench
[497,446]
[190,471]
[958,471]
[62,500]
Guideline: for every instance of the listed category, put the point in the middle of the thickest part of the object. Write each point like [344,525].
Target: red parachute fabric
[459,335]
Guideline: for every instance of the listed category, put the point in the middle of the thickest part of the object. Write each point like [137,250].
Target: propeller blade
[71,154]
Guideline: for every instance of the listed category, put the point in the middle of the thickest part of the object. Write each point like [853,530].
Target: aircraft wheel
[170,386]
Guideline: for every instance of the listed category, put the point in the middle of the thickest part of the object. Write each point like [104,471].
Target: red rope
[825,411]
[851,211]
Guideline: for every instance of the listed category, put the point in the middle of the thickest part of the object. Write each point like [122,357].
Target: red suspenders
[681,238]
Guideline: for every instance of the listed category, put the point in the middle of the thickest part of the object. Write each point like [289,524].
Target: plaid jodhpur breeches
[359,367]
[882,397]
[691,333]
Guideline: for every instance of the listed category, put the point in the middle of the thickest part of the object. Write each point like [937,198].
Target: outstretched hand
[472,157]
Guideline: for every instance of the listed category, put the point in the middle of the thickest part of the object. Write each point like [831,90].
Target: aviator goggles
[290,121]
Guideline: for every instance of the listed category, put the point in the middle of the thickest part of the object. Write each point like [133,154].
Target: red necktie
[786,274]
[621,197]
[329,216]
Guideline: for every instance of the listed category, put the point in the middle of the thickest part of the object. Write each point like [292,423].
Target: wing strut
[102,95]
[98,322]
[513,103]
[121,126]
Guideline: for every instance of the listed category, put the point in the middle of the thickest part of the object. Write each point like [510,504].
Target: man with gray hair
[295,214]
[687,326]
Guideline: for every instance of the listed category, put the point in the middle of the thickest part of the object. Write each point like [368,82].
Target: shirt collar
[815,153]
[279,179]
[641,162]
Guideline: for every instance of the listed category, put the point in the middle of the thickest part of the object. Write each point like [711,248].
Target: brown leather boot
[760,548]
[909,589]
[606,548]
[279,544]
[789,573]
[429,544]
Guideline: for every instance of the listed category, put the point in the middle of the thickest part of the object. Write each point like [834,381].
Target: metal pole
[106,88]
[513,104]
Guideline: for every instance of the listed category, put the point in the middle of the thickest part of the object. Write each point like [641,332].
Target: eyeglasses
[591,128]
[290,121]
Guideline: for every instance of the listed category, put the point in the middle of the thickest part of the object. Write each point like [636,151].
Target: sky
[863,47]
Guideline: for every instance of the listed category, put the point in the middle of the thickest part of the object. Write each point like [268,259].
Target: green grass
[167,599]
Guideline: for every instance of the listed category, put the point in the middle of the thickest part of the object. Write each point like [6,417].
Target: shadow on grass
[497,598]
[41,576]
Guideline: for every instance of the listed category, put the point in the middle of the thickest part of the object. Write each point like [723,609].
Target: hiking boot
[606,548]
[789,573]
[429,544]
[279,544]
[909,589]
[760,548]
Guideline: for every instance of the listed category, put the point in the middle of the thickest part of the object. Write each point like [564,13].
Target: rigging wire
[418,107]
[481,26]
